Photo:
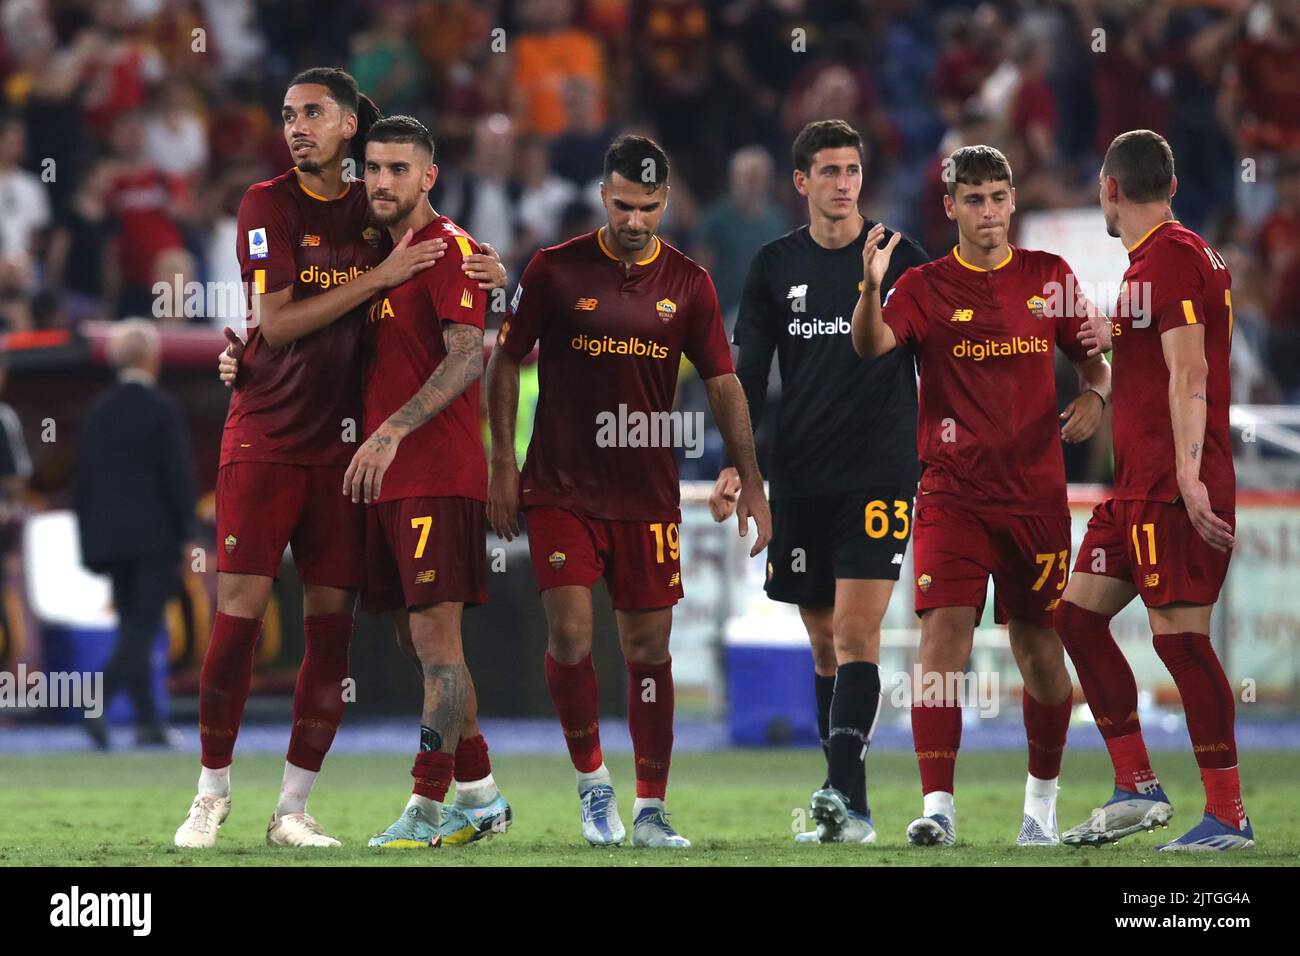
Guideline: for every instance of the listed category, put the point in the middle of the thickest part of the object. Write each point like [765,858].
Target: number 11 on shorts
[1150,531]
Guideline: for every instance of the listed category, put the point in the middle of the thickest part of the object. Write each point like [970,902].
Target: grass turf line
[738,807]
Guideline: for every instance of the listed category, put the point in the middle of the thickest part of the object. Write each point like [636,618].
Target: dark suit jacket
[134,482]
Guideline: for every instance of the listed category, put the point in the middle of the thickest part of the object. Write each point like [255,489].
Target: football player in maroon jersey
[311,262]
[613,311]
[1166,533]
[985,321]
[423,474]
[425,530]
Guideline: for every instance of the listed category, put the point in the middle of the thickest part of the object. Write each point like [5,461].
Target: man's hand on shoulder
[485,268]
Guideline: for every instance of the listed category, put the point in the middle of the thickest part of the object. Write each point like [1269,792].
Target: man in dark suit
[135,496]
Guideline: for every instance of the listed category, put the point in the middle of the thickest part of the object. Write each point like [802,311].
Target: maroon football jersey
[610,340]
[988,430]
[444,457]
[1174,279]
[293,404]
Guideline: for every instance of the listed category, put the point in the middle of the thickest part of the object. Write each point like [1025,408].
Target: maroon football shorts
[423,551]
[1154,545]
[954,551]
[262,506]
[640,560]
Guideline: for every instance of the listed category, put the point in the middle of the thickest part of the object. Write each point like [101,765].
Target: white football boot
[1038,826]
[199,831]
[297,829]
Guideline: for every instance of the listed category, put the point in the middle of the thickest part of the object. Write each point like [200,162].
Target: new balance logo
[426,577]
[797,291]
[586,305]
[963,315]
[898,559]
[310,240]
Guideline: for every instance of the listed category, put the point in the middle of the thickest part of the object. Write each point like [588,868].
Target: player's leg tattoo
[446,692]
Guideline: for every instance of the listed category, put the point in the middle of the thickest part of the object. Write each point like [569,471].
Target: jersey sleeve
[755,335]
[1177,276]
[706,340]
[262,243]
[1074,313]
[456,297]
[527,314]
[904,310]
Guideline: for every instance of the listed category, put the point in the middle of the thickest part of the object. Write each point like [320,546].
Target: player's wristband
[1099,395]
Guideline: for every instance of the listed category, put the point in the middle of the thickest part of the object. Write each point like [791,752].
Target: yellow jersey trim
[1133,247]
[303,186]
[1188,312]
[600,239]
[960,260]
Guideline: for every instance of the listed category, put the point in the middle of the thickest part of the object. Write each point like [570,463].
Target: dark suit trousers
[141,589]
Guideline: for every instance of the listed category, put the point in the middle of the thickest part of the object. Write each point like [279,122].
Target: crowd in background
[132,127]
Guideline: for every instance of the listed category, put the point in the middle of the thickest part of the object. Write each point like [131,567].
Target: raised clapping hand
[875,260]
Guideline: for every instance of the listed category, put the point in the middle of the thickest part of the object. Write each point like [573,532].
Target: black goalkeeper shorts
[856,535]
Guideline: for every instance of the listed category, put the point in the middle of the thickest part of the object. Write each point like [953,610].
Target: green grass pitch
[737,807]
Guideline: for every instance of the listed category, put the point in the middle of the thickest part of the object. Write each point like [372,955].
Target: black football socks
[854,706]
[825,691]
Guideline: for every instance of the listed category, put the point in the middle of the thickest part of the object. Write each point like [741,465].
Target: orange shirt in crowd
[543,63]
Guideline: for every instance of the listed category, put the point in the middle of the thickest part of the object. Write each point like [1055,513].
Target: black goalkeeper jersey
[845,423]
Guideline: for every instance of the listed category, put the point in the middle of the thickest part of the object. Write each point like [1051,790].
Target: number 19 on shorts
[666,533]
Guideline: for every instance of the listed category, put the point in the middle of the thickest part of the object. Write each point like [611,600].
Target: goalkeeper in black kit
[843,469]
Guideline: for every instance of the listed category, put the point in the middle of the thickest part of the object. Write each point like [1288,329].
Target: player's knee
[435,644]
[1061,617]
[319,599]
[568,639]
[1072,623]
[243,595]
[823,652]
[647,644]
[946,639]
[1042,661]
[856,641]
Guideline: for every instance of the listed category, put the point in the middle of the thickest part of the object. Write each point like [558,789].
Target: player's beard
[400,211]
[308,166]
[634,244]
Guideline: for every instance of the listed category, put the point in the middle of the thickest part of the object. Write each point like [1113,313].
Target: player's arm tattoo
[456,372]
[1196,450]
[446,692]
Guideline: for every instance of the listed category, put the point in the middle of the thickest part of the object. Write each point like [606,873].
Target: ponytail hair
[343,90]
